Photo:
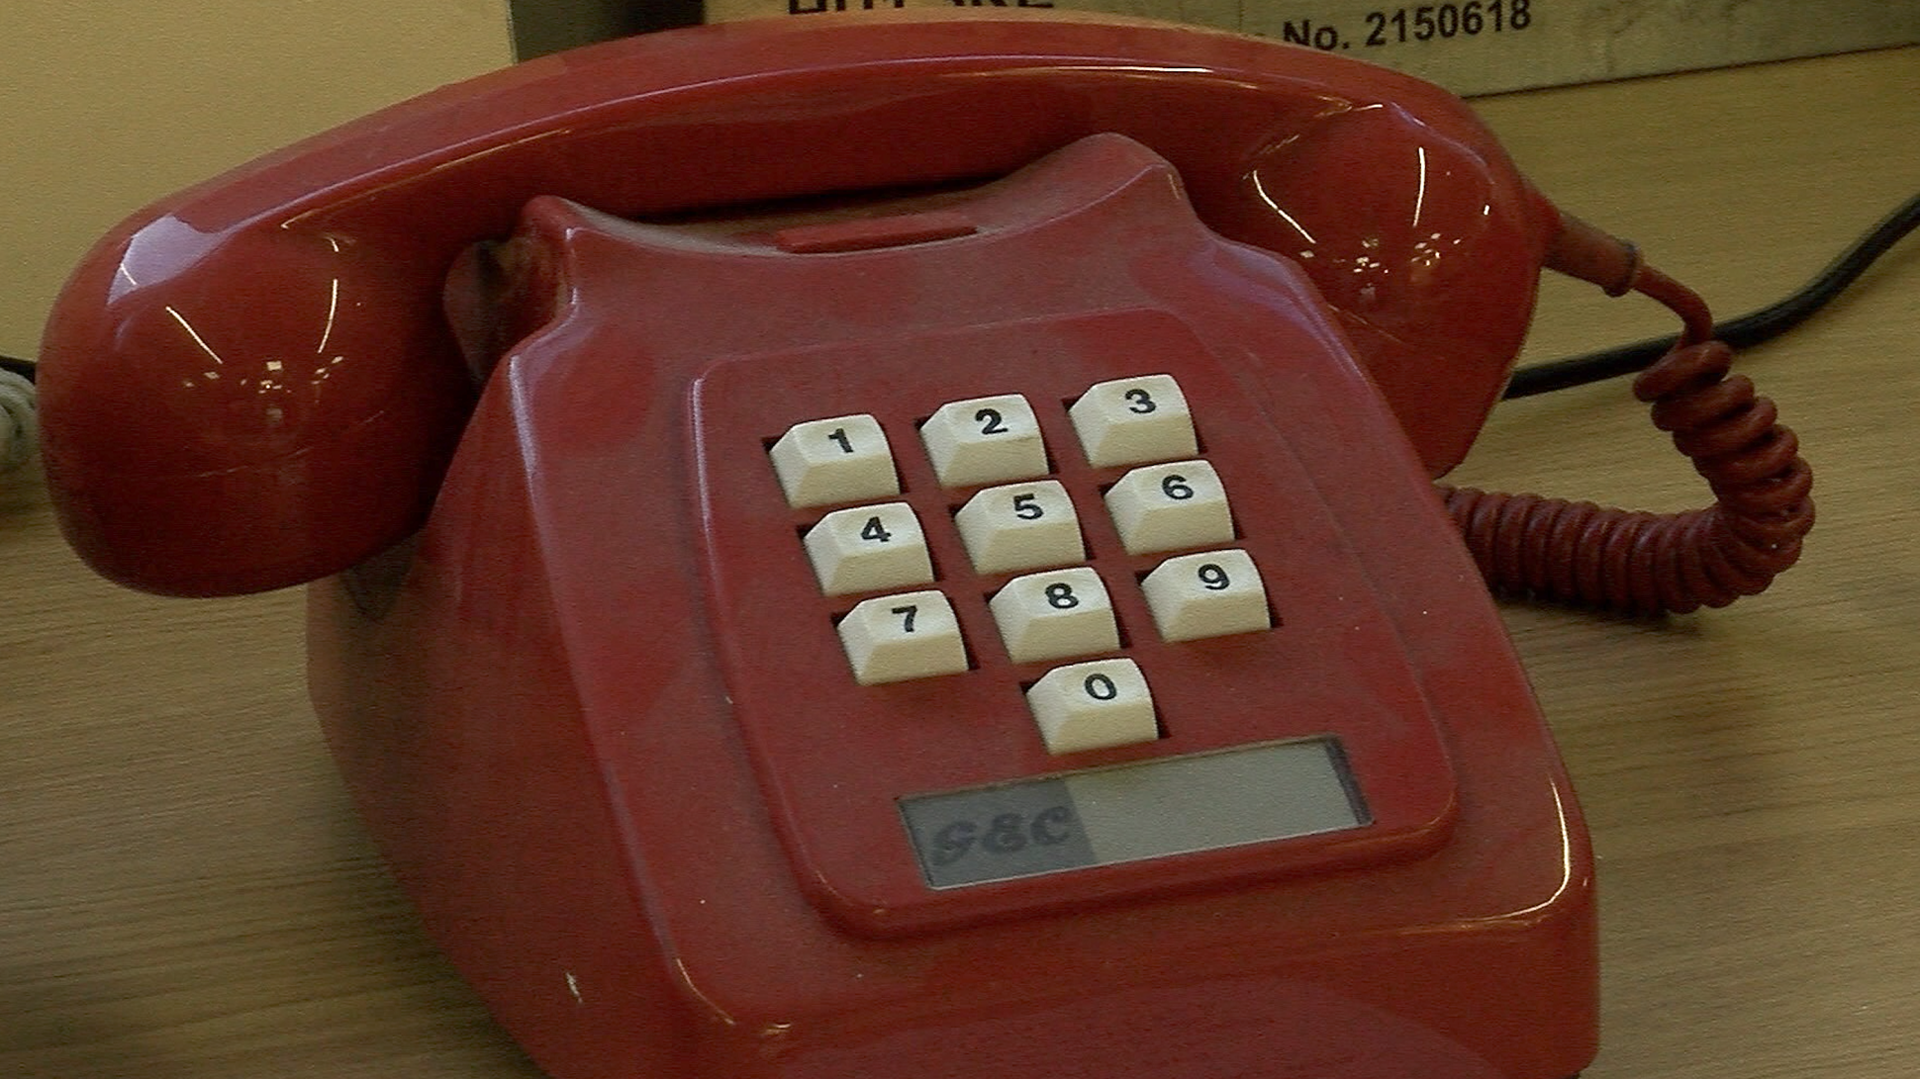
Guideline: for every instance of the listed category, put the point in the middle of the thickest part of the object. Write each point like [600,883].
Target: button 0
[1093,705]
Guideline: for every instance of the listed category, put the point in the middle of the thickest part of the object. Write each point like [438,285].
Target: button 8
[1058,613]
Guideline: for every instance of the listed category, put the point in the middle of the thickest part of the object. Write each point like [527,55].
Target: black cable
[1749,329]
[23,368]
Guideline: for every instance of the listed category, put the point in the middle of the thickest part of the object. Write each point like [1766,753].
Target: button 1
[844,459]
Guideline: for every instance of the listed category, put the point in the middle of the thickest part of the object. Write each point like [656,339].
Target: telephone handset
[271,391]
[1009,632]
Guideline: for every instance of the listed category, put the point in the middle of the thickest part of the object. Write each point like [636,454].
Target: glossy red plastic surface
[598,719]
[250,384]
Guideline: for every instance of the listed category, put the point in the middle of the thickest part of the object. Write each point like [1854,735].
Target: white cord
[19,431]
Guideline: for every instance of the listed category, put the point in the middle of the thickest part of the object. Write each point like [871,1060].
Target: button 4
[869,547]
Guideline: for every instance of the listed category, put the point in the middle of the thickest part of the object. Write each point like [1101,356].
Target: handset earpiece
[1427,246]
[244,409]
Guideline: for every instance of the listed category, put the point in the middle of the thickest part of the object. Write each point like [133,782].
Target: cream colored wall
[106,105]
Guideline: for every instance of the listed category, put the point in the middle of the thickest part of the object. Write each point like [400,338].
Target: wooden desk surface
[184,893]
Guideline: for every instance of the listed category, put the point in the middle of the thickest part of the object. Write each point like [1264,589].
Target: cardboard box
[1488,46]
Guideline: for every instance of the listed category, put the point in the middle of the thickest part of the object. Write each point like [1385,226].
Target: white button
[1059,613]
[844,459]
[894,638]
[1020,526]
[1207,595]
[984,440]
[1093,706]
[1166,507]
[869,547]
[1132,420]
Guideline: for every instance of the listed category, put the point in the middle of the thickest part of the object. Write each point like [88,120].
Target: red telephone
[1008,631]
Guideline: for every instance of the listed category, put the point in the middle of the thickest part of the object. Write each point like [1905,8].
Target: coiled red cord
[1650,563]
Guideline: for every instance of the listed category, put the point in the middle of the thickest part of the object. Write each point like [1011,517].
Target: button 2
[984,440]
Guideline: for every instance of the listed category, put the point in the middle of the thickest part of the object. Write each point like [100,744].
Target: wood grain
[184,892]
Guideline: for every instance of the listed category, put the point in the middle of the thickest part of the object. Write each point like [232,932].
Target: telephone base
[600,720]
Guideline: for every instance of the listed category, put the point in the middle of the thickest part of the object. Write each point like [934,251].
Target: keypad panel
[841,730]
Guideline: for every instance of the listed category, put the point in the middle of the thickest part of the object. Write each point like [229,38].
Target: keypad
[1028,547]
